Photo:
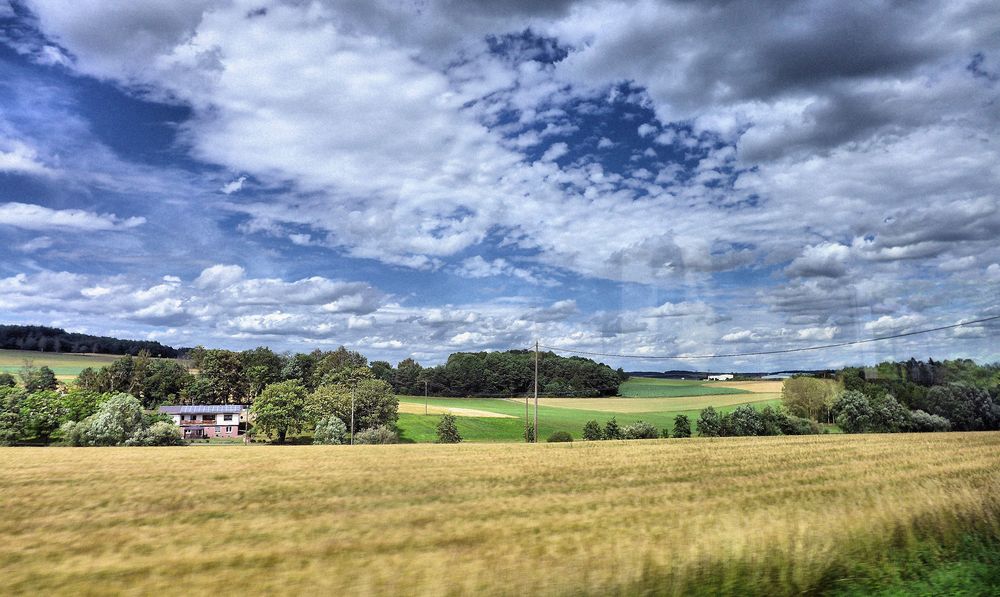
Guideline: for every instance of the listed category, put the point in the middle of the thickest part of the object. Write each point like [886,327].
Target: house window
[218,429]
[229,429]
[229,417]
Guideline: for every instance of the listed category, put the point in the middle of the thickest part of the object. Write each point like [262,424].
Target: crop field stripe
[726,516]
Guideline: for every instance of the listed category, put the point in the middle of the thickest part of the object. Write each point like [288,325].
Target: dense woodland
[46,339]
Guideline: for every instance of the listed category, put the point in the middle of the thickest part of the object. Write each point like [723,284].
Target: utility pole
[425,397]
[352,415]
[536,392]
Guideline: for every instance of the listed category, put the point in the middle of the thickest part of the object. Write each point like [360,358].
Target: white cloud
[554,152]
[18,157]
[605,143]
[889,324]
[219,276]
[36,244]
[29,216]
[234,186]
[646,129]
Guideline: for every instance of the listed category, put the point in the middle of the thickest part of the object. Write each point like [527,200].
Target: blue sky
[417,179]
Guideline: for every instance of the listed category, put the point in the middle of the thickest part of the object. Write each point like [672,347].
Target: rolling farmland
[66,366]
[776,515]
[663,400]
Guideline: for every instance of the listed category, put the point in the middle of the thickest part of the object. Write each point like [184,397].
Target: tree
[447,430]
[38,379]
[78,404]
[592,431]
[406,379]
[7,380]
[612,430]
[10,414]
[682,426]
[743,421]
[640,430]
[709,423]
[967,407]
[854,413]
[116,420]
[280,409]
[807,396]
[330,431]
[261,367]
[41,413]
[225,377]
[857,413]
[374,404]
[382,370]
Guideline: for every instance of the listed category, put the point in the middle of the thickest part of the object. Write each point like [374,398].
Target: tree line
[47,339]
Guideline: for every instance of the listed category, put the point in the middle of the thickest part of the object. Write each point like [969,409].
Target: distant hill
[684,374]
[46,339]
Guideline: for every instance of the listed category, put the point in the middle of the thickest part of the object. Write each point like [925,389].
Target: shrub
[529,433]
[640,430]
[330,431]
[926,422]
[41,412]
[159,433]
[857,413]
[560,436]
[42,378]
[447,430]
[665,433]
[7,380]
[115,421]
[377,435]
[612,430]
[743,421]
[968,408]
[682,426]
[792,425]
[592,431]
[709,423]
[74,433]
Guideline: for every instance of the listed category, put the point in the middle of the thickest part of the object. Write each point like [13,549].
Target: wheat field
[734,516]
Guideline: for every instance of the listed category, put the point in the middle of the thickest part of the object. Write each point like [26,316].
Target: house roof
[203,409]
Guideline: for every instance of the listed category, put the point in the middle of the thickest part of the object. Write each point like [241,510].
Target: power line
[767,352]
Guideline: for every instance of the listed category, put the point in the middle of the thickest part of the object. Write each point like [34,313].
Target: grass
[421,428]
[729,516]
[65,365]
[647,387]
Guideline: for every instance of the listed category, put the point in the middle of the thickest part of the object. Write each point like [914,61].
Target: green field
[570,414]
[66,366]
[857,514]
[647,387]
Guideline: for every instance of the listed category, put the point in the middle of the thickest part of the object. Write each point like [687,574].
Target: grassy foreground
[714,516]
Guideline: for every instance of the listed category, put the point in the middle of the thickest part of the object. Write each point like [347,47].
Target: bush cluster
[120,421]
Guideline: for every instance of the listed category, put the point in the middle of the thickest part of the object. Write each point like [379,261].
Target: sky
[412,179]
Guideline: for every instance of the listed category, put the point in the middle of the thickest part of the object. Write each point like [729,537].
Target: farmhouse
[722,377]
[209,420]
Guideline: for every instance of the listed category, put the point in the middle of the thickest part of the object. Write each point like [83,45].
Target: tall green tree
[280,409]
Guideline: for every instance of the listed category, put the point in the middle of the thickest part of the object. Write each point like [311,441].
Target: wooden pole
[352,416]
[536,392]
[425,397]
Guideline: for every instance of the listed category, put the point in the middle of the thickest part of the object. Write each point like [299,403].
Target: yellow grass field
[656,405]
[776,515]
[419,409]
[765,385]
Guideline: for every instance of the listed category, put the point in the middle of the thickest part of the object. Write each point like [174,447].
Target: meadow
[655,401]
[66,366]
[737,516]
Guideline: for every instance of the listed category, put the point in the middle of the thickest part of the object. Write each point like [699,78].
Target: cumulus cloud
[833,149]
[29,216]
